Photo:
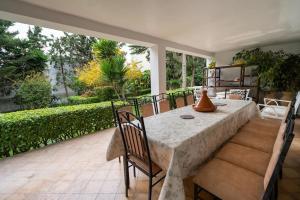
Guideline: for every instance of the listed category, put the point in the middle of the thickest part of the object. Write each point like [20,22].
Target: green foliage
[135,49]
[174,69]
[105,49]
[67,53]
[277,70]
[34,92]
[105,93]
[19,57]
[76,100]
[25,130]
[195,67]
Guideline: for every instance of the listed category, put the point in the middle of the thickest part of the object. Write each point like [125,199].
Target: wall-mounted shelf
[239,82]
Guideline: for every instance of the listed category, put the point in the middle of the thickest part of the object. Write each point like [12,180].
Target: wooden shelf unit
[241,80]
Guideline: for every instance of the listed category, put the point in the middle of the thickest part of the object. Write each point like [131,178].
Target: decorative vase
[205,104]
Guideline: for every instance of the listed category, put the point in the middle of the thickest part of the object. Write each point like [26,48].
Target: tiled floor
[77,169]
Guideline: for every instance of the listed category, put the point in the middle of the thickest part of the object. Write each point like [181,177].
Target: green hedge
[75,100]
[31,129]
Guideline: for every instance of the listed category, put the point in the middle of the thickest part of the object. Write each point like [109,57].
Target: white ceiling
[211,25]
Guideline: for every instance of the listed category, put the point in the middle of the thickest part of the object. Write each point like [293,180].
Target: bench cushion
[254,140]
[261,129]
[228,181]
[274,111]
[245,157]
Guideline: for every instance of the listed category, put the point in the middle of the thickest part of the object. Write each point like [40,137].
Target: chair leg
[150,188]
[280,173]
[196,192]
[134,172]
[126,175]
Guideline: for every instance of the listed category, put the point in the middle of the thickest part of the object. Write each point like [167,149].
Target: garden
[90,71]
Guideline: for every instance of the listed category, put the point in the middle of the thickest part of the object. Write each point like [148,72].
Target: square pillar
[183,74]
[158,69]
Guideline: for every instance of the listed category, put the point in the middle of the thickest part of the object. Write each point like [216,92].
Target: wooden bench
[248,166]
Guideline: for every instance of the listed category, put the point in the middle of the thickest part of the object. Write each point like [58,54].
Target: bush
[75,100]
[34,92]
[31,129]
[105,93]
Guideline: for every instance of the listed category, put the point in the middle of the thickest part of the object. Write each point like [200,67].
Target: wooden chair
[146,106]
[179,99]
[162,103]
[189,97]
[129,105]
[137,153]
[273,108]
[237,94]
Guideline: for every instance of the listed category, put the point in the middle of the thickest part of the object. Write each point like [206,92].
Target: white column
[183,71]
[158,69]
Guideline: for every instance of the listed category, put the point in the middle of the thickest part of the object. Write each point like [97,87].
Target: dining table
[179,146]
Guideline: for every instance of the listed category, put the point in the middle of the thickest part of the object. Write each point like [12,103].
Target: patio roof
[210,26]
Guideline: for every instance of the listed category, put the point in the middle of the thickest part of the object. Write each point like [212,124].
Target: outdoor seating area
[149,100]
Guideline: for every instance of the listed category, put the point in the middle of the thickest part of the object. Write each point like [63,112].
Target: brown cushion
[245,157]
[261,129]
[267,122]
[228,181]
[254,140]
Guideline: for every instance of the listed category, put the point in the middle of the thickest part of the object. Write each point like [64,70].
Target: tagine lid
[205,104]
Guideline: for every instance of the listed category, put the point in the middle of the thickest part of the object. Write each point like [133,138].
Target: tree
[59,58]
[195,66]
[133,77]
[79,48]
[34,92]
[68,53]
[90,74]
[35,38]
[112,63]
[174,69]
[135,49]
[114,71]
[18,58]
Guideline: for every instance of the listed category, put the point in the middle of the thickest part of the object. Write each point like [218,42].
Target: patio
[77,169]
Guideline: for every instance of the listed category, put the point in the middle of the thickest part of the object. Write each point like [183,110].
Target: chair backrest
[189,97]
[162,103]
[179,99]
[134,137]
[146,106]
[129,105]
[198,92]
[241,94]
[297,103]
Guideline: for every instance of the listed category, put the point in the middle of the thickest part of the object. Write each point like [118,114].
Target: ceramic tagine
[204,104]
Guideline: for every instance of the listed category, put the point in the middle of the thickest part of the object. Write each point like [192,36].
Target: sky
[23,28]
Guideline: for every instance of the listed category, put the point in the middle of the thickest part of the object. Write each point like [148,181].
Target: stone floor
[77,169]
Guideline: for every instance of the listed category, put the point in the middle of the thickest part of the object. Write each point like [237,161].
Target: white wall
[225,57]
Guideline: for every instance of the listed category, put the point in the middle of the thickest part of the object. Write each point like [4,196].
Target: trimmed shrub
[75,100]
[105,93]
[31,129]
[34,92]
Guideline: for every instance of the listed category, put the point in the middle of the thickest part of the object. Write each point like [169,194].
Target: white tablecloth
[180,146]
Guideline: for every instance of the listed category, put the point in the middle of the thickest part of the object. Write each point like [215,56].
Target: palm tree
[112,64]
